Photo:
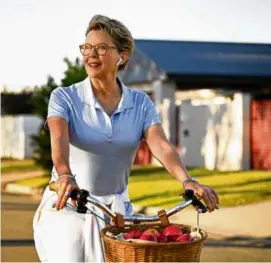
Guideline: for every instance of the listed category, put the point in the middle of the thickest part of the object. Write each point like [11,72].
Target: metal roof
[207,58]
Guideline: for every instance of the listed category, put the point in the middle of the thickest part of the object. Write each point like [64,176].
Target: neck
[106,88]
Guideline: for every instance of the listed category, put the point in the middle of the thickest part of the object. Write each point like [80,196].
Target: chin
[94,73]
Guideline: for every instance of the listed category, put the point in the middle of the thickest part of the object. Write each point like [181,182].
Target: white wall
[218,133]
[16,134]
[164,98]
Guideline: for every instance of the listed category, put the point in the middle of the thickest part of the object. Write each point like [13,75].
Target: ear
[124,56]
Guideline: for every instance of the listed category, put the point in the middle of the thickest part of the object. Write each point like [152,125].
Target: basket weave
[123,251]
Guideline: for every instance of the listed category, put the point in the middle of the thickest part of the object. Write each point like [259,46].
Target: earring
[119,61]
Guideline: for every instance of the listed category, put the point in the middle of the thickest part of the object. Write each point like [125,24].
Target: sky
[36,35]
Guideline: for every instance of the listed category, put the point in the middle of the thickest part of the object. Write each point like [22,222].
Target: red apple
[133,234]
[172,232]
[152,232]
[148,238]
[162,238]
[184,238]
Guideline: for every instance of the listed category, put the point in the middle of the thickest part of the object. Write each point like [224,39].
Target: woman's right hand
[64,186]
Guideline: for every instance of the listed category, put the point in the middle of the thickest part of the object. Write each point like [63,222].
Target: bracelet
[189,180]
[68,175]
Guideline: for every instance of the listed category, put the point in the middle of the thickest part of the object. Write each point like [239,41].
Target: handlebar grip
[200,206]
[189,194]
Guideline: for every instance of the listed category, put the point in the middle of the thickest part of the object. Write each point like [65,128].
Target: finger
[60,194]
[66,196]
[199,192]
[216,196]
[212,198]
[74,203]
[207,200]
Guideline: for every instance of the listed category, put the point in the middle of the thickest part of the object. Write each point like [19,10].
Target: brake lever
[188,195]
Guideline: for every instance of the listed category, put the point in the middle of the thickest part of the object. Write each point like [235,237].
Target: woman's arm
[59,135]
[165,152]
[167,155]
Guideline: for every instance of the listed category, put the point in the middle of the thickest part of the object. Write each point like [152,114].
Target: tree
[74,72]
[41,142]
[16,103]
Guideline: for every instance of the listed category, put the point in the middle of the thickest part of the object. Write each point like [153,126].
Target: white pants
[60,235]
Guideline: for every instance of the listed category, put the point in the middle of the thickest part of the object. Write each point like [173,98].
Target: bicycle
[116,250]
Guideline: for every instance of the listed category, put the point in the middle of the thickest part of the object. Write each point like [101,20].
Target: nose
[93,53]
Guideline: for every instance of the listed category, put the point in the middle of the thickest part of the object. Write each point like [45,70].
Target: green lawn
[152,186]
[157,188]
[10,166]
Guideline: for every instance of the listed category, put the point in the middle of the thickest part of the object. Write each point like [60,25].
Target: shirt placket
[109,127]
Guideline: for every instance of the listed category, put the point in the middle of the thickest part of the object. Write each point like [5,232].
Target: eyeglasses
[100,49]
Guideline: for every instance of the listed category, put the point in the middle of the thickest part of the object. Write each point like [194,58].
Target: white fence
[16,134]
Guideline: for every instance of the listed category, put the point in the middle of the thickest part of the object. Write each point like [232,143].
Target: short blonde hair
[120,34]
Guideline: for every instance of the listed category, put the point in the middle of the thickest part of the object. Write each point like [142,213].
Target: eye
[86,47]
[101,48]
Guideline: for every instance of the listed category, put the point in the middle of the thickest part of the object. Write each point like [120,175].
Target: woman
[96,126]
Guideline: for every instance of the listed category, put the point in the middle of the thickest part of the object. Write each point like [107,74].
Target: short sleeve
[58,104]
[151,114]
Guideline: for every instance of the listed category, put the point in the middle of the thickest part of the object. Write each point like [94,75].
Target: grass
[152,186]
[37,182]
[10,166]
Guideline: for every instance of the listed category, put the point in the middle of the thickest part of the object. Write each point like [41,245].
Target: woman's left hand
[206,193]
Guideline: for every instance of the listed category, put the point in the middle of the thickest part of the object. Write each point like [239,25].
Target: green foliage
[16,103]
[74,73]
[41,142]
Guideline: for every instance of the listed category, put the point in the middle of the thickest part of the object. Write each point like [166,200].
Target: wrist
[190,180]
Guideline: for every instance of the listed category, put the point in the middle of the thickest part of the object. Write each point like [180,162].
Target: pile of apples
[171,233]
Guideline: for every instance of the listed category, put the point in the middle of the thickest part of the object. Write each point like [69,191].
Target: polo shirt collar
[89,98]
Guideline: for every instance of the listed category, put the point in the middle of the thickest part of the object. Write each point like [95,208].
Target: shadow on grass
[142,171]
[155,195]
[243,183]
[198,172]
[262,193]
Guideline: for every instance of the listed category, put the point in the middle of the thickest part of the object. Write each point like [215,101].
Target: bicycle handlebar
[83,197]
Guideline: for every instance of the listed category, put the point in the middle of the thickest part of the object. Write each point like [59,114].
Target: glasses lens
[101,50]
[85,49]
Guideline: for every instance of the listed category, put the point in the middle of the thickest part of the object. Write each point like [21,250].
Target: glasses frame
[95,48]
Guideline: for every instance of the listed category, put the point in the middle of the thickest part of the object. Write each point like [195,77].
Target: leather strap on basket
[118,221]
[163,218]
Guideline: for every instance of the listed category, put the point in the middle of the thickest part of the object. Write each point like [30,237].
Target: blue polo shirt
[102,148]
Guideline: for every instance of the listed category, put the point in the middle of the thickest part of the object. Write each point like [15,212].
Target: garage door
[261,134]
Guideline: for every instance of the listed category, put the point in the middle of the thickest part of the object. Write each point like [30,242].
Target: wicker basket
[123,251]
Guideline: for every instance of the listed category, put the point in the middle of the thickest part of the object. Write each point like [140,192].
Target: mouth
[94,64]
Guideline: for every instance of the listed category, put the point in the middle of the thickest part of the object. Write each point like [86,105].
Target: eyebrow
[100,44]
